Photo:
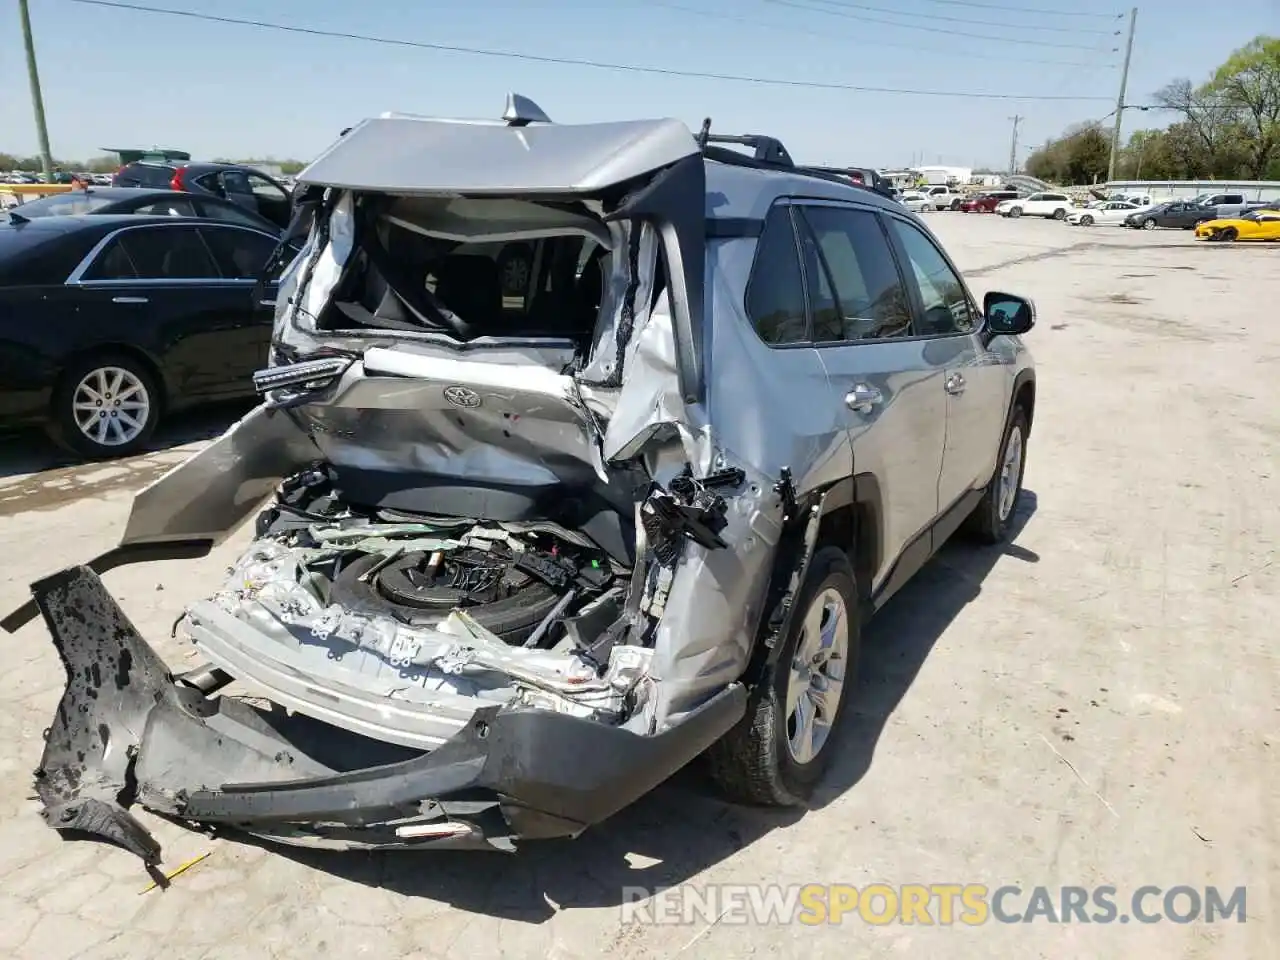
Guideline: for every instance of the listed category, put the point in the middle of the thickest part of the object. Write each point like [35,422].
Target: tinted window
[157,253]
[946,306]
[168,208]
[775,292]
[241,255]
[145,175]
[230,213]
[855,291]
[235,182]
[210,182]
[113,263]
[264,188]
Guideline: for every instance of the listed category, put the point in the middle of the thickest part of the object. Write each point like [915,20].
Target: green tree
[1249,83]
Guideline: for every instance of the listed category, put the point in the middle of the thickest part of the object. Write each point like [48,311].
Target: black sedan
[1182,214]
[144,201]
[107,322]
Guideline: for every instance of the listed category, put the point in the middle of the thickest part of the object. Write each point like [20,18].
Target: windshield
[63,205]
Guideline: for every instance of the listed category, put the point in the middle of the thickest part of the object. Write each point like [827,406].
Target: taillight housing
[176,183]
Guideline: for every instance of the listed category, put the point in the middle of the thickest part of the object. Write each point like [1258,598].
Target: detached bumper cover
[126,732]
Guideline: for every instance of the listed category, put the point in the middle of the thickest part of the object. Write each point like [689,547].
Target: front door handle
[863,397]
[955,384]
[130,300]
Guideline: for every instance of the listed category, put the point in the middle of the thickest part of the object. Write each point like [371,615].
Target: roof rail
[767,151]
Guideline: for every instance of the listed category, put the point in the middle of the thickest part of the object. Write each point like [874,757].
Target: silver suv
[536,536]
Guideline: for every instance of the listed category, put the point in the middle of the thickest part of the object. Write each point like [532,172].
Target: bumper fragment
[125,732]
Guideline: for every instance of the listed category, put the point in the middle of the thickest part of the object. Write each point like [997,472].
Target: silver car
[522,554]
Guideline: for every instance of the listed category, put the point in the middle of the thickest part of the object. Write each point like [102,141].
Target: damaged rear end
[505,580]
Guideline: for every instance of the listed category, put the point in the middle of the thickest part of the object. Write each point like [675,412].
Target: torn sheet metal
[210,494]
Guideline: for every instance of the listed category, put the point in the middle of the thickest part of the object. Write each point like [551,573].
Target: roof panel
[419,156]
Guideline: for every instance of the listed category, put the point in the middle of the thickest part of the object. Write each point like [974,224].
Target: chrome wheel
[1010,473]
[817,675]
[111,406]
[515,275]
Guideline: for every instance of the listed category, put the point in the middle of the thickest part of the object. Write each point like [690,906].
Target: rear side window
[158,253]
[145,175]
[230,213]
[855,290]
[241,255]
[775,293]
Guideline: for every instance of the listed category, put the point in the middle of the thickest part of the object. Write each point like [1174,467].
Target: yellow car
[1257,225]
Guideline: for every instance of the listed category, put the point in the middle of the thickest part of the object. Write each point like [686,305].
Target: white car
[915,201]
[1108,213]
[944,198]
[1055,206]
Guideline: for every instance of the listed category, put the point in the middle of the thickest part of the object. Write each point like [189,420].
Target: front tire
[779,750]
[992,519]
[105,406]
[1016,212]
[1086,221]
[1228,235]
[1148,224]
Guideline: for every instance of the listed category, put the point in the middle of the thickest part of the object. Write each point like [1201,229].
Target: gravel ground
[1095,704]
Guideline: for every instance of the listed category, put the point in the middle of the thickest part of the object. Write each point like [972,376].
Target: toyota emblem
[462,396]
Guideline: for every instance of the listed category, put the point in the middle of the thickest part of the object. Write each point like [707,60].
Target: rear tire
[1060,214]
[106,405]
[763,759]
[992,519]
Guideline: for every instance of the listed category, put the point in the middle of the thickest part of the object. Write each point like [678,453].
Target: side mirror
[1007,314]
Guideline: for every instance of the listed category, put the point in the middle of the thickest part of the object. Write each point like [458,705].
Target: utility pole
[1124,82]
[1013,146]
[37,101]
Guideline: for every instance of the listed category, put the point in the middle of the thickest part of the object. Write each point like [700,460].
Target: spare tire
[511,618]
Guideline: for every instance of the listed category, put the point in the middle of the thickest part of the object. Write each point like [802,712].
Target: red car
[986,203]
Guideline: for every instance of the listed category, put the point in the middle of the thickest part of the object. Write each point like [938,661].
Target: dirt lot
[1097,704]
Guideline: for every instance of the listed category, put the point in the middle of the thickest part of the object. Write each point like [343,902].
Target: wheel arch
[848,513]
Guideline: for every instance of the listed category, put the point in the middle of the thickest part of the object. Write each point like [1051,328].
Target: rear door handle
[130,300]
[863,397]
[955,384]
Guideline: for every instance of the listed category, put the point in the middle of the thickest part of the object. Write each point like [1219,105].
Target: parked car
[1183,214]
[1258,225]
[1106,213]
[145,202]
[915,201]
[107,322]
[249,188]
[1224,205]
[987,202]
[944,198]
[1055,206]
[526,560]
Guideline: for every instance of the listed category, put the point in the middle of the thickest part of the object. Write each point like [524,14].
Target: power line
[943,30]
[1053,13]
[845,4]
[566,61]
[859,40]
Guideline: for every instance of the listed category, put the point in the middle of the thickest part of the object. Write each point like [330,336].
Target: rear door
[241,255]
[978,380]
[166,276]
[886,380]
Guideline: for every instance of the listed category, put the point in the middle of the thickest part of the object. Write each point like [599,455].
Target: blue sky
[116,77]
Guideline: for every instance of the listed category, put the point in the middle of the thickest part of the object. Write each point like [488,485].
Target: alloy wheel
[1010,473]
[817,675]
[111,406]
